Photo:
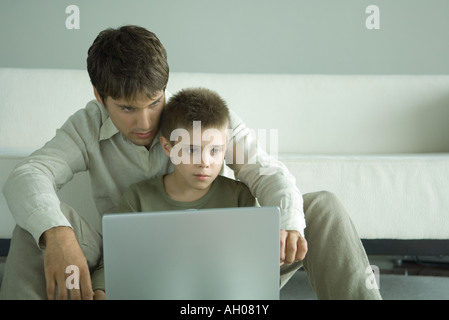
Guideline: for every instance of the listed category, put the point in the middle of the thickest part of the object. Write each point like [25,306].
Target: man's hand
[99,295]
[62,250]
[293,247]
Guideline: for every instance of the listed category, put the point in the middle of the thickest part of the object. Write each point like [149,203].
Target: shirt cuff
[41,221]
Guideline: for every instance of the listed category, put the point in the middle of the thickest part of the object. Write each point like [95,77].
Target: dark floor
[401,278]
[421,266]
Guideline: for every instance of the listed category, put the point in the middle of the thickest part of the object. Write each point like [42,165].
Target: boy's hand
[293,247]
[62,250]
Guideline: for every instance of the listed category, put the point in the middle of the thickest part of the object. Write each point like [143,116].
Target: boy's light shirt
[117,163]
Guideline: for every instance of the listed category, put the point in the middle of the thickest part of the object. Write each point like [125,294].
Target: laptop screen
[230,253]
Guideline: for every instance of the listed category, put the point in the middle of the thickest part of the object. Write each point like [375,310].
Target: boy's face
[197,163]
[137,120]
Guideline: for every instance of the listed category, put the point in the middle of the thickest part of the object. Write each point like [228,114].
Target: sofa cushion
[387,196]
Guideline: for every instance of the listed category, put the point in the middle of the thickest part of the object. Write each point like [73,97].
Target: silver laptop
[221,254]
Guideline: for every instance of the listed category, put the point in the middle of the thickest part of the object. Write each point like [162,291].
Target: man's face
[138,120]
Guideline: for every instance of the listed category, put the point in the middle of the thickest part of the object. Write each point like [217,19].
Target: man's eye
[155,104]
[127,109]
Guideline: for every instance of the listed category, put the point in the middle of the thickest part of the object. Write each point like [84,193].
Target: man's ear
[97,96]
[166,145]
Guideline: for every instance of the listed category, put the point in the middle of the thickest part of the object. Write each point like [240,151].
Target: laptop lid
[230,253]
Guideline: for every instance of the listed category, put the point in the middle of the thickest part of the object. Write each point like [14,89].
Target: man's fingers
[99,295]
[75,294]
[73,284]
[61,288]
[282,251]
[301,249]
[51,290]
[293,247]
[290,248]
[86,285]
[56,289]
[79,284]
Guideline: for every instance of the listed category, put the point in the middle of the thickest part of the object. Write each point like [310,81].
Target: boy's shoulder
[237,193]
[223,181]
[151,183]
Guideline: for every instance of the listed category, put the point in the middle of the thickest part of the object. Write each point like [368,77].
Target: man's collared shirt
[89,141]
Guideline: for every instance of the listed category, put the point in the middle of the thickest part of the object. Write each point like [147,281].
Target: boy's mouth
[202,177]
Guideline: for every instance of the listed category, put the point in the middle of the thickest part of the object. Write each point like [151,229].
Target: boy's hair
[127,62]
[194,104]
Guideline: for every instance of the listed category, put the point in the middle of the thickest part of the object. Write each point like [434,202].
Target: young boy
[194,126]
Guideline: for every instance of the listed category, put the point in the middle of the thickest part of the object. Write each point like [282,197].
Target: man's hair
[194,104]
[127,62]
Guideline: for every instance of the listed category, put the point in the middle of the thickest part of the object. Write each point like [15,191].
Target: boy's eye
[192,150]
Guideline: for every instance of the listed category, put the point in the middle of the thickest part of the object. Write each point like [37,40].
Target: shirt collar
[107,130]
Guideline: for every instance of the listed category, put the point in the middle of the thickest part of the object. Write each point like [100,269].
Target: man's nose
[144,120]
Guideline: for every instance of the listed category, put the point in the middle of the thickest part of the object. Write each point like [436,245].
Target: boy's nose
[205,161]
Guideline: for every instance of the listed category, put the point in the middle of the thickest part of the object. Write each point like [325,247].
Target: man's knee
[324,208]
[324,199]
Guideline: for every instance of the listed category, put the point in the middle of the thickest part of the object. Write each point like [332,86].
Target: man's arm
[31,195]
[62,250]
[272,184]
[30,192]
[268,179]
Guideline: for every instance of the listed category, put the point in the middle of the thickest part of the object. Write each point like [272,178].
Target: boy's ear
[166,145]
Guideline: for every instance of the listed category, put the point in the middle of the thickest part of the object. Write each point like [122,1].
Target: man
[116,139]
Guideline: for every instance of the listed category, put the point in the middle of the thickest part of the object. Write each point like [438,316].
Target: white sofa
[380,143]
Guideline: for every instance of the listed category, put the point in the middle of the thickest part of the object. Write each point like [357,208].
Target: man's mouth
[142,135]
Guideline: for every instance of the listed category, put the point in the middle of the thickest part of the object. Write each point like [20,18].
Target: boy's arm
[245,198]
